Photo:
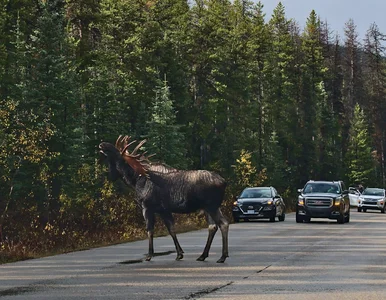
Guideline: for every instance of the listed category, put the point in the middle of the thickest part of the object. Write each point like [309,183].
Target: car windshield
[321,187]
[256,193]
[373,192]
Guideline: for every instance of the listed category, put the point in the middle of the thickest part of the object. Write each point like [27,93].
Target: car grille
[371,202]
[251,206]
[318,202]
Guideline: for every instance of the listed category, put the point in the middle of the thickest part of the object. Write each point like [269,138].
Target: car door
[280,207]
[353,195]
[345,195]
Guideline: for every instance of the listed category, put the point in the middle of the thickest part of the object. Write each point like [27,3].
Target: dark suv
[323,199]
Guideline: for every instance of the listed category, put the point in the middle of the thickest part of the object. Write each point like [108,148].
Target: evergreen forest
[210,84]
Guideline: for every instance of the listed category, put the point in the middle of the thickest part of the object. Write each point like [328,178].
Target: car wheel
[282,217]
[347,218]
[359,209]
[365,209]
[307,219]
[340,219]
[237,220]
[299,219]
[383,210]
[272,219]
[246,220]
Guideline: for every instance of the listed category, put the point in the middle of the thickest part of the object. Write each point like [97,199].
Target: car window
[274,192]
[373,192]
[321,187]
[256,193]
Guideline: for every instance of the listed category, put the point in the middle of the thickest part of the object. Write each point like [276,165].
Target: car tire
[347,218]
[307,219]
[299,219]
[272,219]
[282,217]
[359,209]
[236,220]
[341,219]
[365,209]
[246,220]
[383,210]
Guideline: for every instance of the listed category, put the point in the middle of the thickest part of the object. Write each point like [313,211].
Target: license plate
[250,211]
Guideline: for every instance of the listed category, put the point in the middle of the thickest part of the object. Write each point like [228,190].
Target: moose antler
[122,143]
[134,152]
[137,161]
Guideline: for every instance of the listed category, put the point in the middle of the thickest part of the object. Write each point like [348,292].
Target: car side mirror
[345,192]
[300,190]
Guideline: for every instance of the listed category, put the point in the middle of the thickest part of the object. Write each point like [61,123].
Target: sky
[335,12]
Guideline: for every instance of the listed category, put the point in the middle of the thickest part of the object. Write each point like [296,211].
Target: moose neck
[129,176]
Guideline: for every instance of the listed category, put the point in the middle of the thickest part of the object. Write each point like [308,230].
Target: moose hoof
[202,258]
[179,256]
[222,259]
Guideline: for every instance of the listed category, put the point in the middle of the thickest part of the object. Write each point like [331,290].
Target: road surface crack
[206,291]
[259,271]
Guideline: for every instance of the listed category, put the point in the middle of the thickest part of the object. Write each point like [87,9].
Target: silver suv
[372,198]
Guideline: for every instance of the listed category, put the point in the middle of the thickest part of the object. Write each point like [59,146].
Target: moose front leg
[150,220]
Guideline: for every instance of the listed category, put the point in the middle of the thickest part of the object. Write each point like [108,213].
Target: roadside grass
[39,244]
[42,246]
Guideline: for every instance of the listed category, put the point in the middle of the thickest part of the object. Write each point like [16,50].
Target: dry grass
[41,245]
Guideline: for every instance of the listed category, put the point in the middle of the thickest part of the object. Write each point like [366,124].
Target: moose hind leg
[224,228]
[169,223]
[212,229]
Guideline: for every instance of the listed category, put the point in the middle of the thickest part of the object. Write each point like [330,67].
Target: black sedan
[259,203]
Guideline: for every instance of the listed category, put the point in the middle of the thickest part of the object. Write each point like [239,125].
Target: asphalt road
[281,260]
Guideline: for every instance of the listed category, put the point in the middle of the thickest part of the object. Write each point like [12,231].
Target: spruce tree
[311,95]
[280,80]
[375,76]
[164,135]
[359,157]
[257,50]
[51,95]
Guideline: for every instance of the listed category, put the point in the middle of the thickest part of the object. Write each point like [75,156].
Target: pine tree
[311,96]
[164,135]
[375,74]
[51,95]
[209,59]
[359,158]
[280,97]
[257,50]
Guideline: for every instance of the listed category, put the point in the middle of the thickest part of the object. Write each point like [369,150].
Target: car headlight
[270,202]
[236,203]
[301,201]
[337,201]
